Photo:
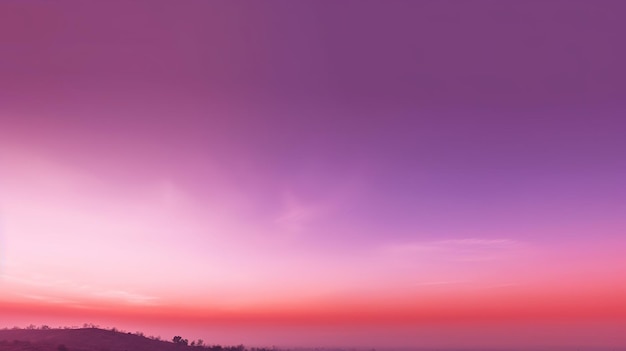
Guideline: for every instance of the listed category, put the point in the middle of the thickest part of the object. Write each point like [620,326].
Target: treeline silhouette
[198,344]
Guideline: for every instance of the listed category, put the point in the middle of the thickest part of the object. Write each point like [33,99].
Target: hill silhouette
[85,339]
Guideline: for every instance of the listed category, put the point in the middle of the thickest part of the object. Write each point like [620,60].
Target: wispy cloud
[296,214]
[49,299]
[465,249]
[31,281]
[68,292]
[501,286]
[126,296]
[438,283]
[479,242]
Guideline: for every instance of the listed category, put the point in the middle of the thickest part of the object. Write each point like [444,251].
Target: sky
[316,173]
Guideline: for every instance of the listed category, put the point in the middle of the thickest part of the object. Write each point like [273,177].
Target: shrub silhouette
[179,340]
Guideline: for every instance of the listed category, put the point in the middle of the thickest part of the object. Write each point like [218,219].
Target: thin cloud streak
[126,297]
[468,249]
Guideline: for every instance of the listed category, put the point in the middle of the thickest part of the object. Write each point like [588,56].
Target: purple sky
[341,149]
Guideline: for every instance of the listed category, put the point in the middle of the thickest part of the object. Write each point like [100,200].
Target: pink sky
[354,173]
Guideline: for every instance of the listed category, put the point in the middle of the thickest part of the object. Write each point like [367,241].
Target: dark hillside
[88,339]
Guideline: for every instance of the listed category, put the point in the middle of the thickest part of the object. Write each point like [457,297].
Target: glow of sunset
[356,173]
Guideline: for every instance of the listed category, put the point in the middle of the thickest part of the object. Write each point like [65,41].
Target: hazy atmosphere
[316,173]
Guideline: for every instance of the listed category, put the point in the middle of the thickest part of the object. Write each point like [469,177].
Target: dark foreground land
[95,339]
[87,339]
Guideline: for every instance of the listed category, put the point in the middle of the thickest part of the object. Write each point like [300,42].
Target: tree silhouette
[179,340]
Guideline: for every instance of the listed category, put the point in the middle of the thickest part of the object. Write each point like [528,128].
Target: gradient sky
[316,173]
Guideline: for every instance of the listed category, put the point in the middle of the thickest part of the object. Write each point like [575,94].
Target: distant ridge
[84,339]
